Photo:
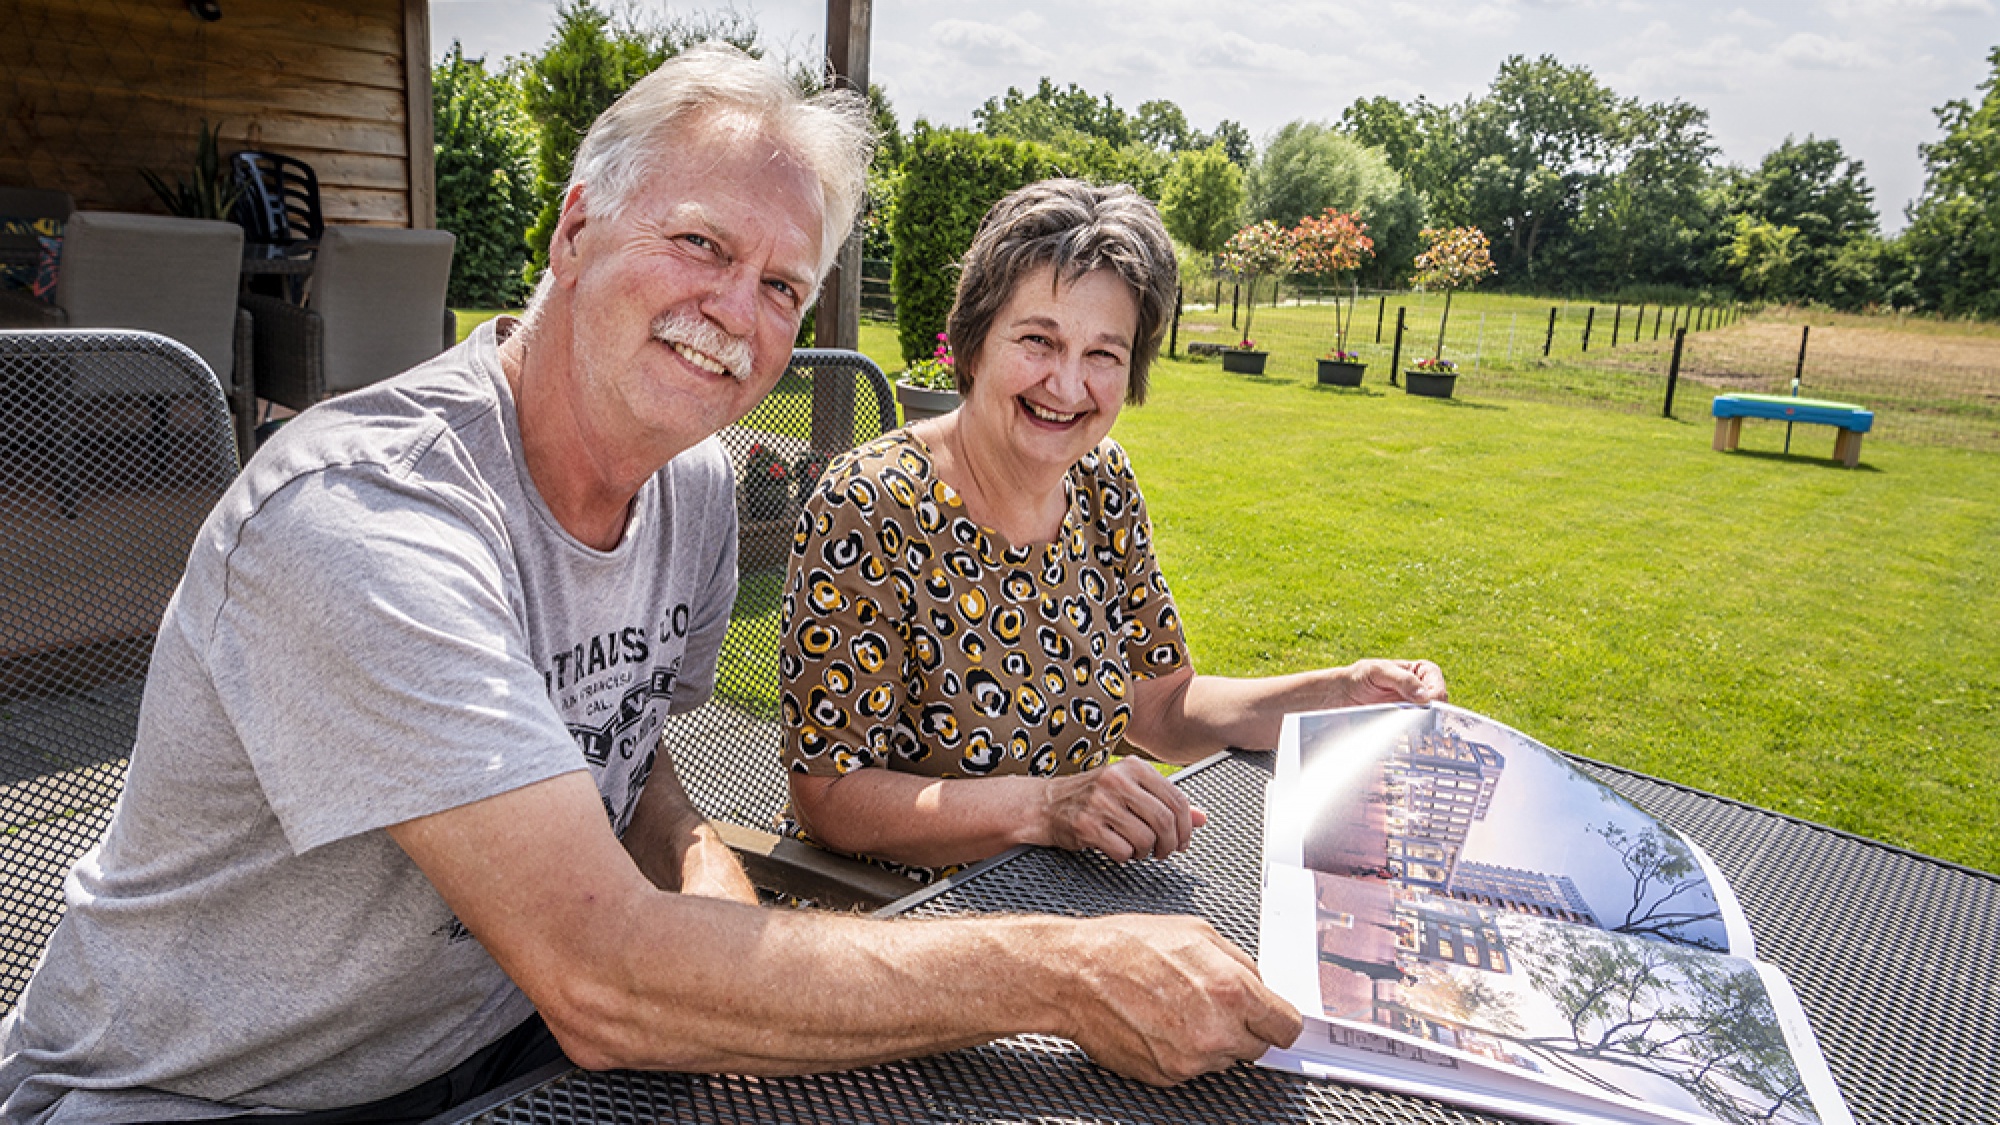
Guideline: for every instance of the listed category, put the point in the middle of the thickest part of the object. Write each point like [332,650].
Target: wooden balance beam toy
[1850,421]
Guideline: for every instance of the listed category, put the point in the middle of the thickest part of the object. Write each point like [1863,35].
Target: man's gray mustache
[696,332]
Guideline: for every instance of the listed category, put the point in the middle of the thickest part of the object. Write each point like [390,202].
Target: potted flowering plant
[807,468]
[1243,358]
[1329,245]
[1256,250]
[1431,377]
[1341,369]
[929,387]
[766,486]
[1452,258]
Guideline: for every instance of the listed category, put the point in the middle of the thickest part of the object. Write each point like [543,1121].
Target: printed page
[1443,800]
[1447,894]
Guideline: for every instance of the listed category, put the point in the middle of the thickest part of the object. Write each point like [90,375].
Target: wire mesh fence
[1927,382]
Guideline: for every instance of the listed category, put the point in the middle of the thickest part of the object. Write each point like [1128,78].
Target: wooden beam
[786,866]
[847,29]
[417,87]
[838,322]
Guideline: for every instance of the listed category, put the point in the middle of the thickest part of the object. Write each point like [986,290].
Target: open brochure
[1463,915]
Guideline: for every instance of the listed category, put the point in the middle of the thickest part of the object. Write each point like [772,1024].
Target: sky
[1867,73]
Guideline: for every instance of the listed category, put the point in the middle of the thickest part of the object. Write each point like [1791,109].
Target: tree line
[1577,189]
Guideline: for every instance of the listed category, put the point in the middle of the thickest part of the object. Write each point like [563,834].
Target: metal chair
[373,309]
[278,200]
[726,751]
[81,597]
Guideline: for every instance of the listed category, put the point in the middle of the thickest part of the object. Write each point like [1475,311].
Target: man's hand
[1124,810]
[1165,999]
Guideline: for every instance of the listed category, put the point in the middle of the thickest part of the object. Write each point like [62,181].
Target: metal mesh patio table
[1895,956]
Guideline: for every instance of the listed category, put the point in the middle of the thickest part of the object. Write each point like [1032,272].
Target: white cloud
[986,45]
[1903,9]
[1743,17]
[1478,20]
[1817,52]
[1133,62]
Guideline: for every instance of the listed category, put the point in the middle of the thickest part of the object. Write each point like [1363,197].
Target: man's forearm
[676,848]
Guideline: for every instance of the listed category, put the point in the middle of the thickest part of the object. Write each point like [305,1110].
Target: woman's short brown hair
[1075,227]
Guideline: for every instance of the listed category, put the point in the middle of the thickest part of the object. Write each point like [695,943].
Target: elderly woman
[975,621]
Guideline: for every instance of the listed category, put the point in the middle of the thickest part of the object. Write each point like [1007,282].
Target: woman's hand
[1125,810]
[1387,681]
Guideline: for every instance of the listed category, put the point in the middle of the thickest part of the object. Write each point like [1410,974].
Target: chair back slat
[96,521]
[726,751]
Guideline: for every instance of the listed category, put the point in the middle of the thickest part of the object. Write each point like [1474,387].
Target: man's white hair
[831,133]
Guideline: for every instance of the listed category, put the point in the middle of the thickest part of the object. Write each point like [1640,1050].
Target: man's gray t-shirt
[381,620]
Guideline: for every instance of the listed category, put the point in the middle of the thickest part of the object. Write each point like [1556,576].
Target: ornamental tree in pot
[1256,250]
[1329,245]
[1452,258]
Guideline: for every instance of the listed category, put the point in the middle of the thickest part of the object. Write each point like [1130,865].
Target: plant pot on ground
[1429,382]
[1243,361]
[1343,371]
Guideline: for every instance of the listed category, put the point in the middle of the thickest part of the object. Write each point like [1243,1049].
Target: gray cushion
[177,277]
[381,294]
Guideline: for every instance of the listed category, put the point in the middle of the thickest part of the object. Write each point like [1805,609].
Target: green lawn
[1820,641]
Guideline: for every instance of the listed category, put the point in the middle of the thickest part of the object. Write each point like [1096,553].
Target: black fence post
[1380,308]
[1617,324]
[1549,340]
[1218,294]
[1589,319]
[1658,311]
[1674,370]
[1798,376]
[1235,297]
[1396,356]
[1174,334]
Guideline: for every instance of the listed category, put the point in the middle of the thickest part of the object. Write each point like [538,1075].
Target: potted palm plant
[1327,246]
[929,387]
[1451,258]
[1256,250]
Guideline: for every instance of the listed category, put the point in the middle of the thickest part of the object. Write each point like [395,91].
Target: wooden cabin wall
[99,89]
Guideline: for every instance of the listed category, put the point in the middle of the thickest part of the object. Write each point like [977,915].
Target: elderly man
[372,857]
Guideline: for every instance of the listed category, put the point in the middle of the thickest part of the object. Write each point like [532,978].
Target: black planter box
[1244,363]
[1430,384]
[1340,373]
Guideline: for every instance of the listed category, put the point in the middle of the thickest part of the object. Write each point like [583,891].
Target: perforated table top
[1896,958]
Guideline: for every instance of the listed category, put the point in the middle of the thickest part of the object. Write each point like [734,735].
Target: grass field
[1821,641]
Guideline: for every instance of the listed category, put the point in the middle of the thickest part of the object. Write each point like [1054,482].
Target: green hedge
[949,181]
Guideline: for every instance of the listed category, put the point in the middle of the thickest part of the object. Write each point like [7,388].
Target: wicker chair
[726,751]
[83,585]
[375,307]
[176,277]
